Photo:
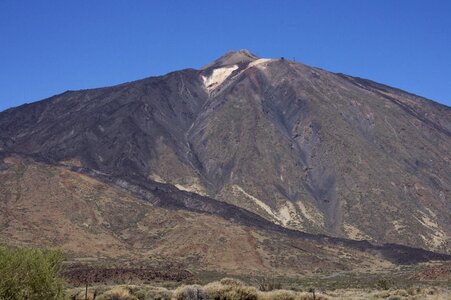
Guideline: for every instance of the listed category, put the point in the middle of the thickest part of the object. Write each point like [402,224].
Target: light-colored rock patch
[354,233]
[157,178]
[398,226]
[260,63]
[257,201]
[193,188]
[437,238]
[310,214]
[288,214]
[217,77]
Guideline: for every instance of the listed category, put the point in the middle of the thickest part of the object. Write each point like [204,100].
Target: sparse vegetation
[384,284]
[117,293]
[220,291]
[189,292]
[225,289]
[233,289]
[154,293]
[28,274]
[267,284]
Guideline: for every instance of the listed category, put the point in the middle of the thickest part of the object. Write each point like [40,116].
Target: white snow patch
[217,77]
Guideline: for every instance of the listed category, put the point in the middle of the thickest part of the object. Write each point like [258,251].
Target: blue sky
[47,47]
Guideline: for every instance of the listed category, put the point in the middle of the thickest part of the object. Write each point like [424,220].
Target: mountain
[258,145]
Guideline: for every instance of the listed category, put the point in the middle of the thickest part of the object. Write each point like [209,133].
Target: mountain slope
[49,205]
[301,147]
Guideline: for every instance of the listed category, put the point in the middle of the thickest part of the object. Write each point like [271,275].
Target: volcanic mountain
[250,147]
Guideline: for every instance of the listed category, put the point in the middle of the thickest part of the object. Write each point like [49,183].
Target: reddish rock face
[297,146]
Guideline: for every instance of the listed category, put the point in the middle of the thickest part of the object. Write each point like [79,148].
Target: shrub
[117,293]
[81,295]
[402,293]
[429,291]
[384,294]
[27,273]
[232,282]
[384,284]
[289,295]
[279,295]
[189,292]
[219,291]
[414,291]
[154,293]
[266,284]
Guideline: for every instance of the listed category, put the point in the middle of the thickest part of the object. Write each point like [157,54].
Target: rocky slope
[300,147]
[106,221]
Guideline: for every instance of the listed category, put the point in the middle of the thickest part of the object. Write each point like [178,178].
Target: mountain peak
[231,58]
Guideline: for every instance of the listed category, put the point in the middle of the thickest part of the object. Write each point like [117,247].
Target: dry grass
[289,295]
[231,282]
[154,293]
[189,292]
[233,289]
[117,293]
[393,294]
[220,291]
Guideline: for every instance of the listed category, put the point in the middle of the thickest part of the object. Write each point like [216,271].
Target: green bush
[29,274]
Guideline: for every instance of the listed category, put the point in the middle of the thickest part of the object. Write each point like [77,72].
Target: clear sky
[47,47]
